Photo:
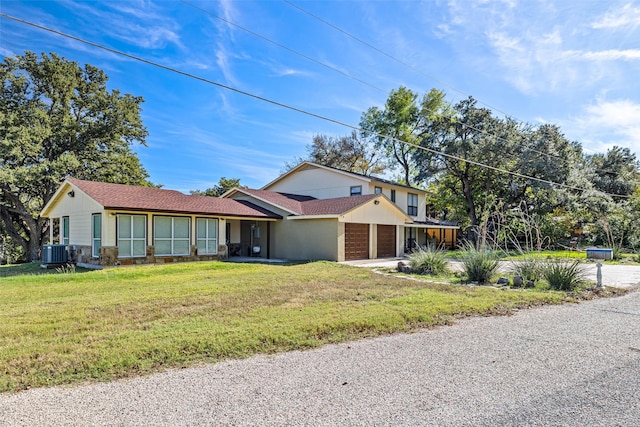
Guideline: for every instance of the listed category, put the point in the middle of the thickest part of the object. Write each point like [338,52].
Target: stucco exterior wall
[306,239]
[370,213]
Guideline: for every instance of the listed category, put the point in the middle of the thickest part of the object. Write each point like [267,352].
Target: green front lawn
[101,325]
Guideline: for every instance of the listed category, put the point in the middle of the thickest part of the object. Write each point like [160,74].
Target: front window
[412,204]
[393,196]
[132,236]
[356,190]
[65,230]
[207,232]
[378,190]
[172,235]
[96,235]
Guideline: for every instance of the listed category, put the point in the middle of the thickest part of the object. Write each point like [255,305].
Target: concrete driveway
[615,275]
[570,365]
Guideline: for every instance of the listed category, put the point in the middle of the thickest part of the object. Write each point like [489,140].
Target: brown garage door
[356,241]
[386,241]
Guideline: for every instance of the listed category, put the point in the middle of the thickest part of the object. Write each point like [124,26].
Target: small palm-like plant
[429,261]
[564,276]
[479,263]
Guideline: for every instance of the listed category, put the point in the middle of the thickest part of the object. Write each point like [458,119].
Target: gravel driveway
[571,365]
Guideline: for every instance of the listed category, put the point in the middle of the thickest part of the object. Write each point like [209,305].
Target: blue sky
[572,63]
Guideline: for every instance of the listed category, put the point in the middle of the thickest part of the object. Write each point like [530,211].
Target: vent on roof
[54,254]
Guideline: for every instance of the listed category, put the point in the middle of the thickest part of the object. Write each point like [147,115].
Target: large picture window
[171,235]
[132,236]
[96,235]
[412,204]
[207,233]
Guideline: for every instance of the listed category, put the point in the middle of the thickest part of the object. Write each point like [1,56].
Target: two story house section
[324,182]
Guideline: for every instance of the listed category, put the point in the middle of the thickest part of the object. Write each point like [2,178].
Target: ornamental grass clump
[479,263]
[564,276]
[529,268]
[428,261]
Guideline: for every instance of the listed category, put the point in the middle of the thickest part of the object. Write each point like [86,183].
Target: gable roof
[335,206]
[301,206]
[130,197]
[362,177]
[291,203]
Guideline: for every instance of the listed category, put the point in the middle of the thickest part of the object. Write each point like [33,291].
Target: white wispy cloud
[141,26]
[285,72]
[605,123]
[626,16]
[603,55]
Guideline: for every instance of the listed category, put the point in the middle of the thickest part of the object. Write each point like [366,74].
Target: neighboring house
[310,212]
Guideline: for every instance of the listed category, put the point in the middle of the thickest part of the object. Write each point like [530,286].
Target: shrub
[479,263]
[564,276]
[428,261]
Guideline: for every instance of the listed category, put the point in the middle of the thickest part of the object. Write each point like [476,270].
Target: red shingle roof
[290,202]
[307,205]
[120,196]
[336,206]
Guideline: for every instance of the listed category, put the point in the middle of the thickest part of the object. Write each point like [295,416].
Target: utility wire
[411,67]
[349,75]
[484,132]
[299,110]
[380,51]
[260,36]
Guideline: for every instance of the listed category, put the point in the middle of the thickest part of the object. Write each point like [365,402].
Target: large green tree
[58,119]
[223,185]
[481,163]
[349,153]
[398,127]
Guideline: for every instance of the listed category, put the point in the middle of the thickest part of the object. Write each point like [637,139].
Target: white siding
[320,183]
[79,209]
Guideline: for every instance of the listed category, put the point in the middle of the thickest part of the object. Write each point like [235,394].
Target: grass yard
[101,325]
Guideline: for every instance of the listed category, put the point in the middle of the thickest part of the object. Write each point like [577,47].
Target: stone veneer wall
[109,257]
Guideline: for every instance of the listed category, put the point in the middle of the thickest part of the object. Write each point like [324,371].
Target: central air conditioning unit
[54,254]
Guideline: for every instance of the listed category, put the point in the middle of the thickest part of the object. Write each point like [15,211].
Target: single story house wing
[109,224]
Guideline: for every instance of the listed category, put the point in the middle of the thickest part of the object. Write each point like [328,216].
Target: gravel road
[571,365]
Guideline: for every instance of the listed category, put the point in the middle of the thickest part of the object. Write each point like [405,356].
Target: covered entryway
[386,244]
[356,241]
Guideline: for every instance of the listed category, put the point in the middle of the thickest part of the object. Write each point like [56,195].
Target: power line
[388,55]
[308,58]
[411,67]
[347,74]
[296,109]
